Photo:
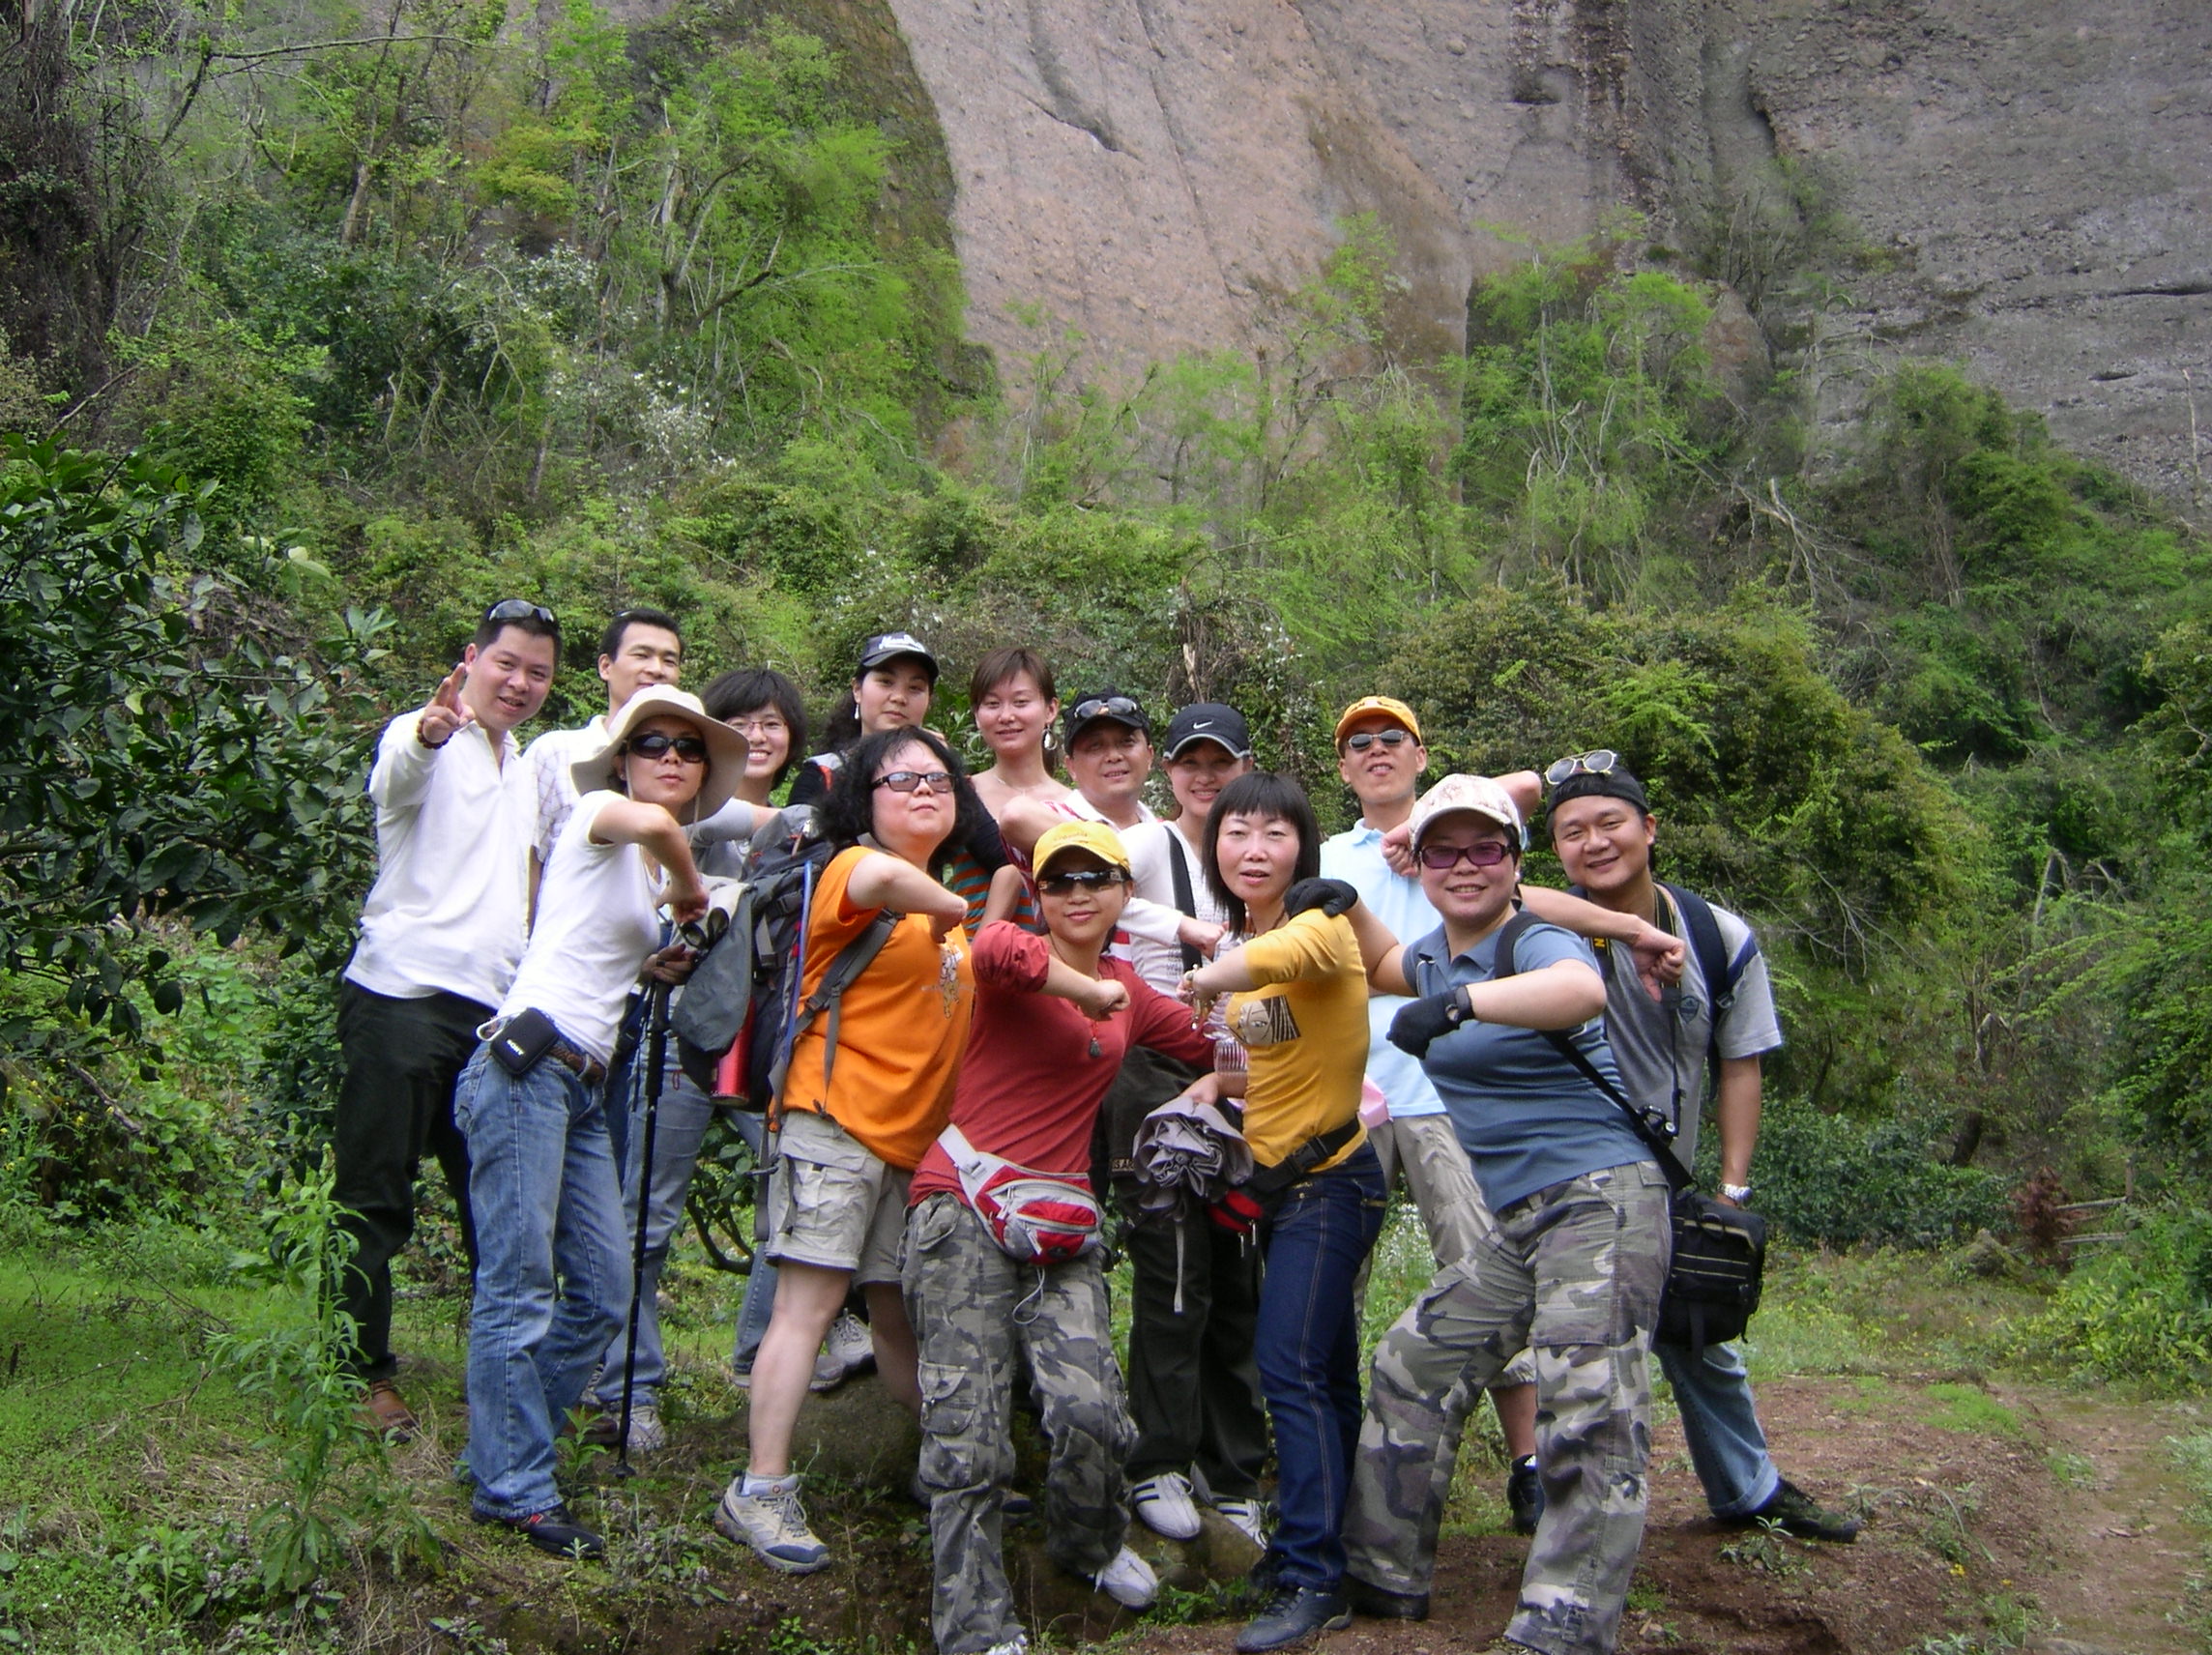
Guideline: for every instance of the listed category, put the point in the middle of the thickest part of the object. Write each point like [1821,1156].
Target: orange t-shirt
[901,1032]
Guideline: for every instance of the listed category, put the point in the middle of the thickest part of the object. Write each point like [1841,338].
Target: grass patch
[1969,1407]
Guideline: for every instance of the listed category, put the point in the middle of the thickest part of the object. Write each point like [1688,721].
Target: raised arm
[884,881]
[1658,956]
[660,836]
[1381,953]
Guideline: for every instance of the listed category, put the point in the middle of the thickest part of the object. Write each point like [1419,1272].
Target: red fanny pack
[1039,1218]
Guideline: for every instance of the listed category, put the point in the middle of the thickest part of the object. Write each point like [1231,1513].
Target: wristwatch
[1737,1193]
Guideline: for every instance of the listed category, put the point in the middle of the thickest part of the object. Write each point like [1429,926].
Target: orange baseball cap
[1387,707]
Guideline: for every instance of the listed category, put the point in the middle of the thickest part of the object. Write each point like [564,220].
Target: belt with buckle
[590,1070]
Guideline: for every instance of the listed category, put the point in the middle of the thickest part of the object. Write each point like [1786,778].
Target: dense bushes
[1832,1179]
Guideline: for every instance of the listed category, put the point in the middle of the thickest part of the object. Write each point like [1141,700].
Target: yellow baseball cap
[1387,707]
[1096,837]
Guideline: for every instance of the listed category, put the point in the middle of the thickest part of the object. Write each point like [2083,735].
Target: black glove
[1420,1023]
[1331,896]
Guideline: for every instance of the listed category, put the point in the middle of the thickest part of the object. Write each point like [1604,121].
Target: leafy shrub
[2143,1310]
[1827,1177]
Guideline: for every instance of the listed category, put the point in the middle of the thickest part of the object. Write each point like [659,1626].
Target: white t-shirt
[595,925]
[1152,847]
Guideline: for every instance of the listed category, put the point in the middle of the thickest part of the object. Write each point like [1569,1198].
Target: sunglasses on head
[1600,761]
[652,745]
[1483,853]
[1105,706]
[913,781]
[1081,878]
[521,609]
[1366,739]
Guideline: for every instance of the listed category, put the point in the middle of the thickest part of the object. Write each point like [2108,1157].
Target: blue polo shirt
[1524,1115]
[1356,859]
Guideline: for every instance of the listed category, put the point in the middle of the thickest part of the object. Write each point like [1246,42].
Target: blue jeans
[684,1114]
[760,1285]
[1308,1352]
[1712,1390]
[552,1276]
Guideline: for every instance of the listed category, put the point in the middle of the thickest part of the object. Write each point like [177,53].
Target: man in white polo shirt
[441,936]
[639,647]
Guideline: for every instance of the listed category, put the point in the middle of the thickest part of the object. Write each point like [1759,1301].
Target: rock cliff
[2022,184]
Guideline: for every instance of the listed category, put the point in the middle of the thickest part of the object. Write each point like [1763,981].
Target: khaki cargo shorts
[832,1203]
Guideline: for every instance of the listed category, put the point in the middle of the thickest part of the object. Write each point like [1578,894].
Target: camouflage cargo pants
[1574,1272]
[972,1306]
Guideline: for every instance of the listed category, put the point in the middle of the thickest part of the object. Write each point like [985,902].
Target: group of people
[1051,966]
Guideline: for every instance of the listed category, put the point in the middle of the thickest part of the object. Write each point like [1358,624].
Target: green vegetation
[318,331]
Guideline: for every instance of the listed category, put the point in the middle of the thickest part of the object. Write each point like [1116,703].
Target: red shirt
[1028,1086]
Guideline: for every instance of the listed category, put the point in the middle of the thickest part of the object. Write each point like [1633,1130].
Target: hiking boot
[773,1523]
[647,1433]
[850,1348]
[1163,1504]
[1525,1494]
[1249,1517]
[1295,1615]
[1793,1511]
[385,1412]
[1380,1603]
[552,1530]
[1128,1580]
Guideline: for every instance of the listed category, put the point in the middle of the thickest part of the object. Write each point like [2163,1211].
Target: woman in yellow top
[1299,1005]
[855,1122]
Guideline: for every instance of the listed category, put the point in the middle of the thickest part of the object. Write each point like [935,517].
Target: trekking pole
[655,1064]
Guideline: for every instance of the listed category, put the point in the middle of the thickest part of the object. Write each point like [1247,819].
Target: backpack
[1721,972]
[745,991]
[1718,1265]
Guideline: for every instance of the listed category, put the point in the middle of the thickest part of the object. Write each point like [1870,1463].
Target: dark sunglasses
[1366,739]
[913,781]
[1600,761]
[1083,879]
[522,609]
[1107,706]
[1484,853]
[652,745]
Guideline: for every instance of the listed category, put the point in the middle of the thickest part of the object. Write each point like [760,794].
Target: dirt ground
[2013,1519]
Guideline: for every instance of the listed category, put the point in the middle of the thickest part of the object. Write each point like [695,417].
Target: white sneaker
[1128,1580]
[647,1435]
[773,1524]
[1018,1644]
[1163,1504]
[1249,1516]
[849,1350]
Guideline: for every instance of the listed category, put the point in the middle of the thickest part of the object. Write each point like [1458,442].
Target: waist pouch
[1719,1265]
[1036,1218]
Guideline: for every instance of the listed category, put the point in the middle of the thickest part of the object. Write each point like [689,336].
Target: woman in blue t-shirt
[1572,1267]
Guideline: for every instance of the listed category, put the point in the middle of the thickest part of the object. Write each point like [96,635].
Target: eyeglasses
[765,724]
[652,745]
[1083,879]
[522,609]
[1600,761]
[1366,739]
[1106,706]
[1483,853]
[913,781]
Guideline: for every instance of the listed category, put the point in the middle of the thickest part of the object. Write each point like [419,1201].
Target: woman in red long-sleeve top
[1052,1019]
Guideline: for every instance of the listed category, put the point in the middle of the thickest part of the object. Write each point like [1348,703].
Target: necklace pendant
[1096,1050]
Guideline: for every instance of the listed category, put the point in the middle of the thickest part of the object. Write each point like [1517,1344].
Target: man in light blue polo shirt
[1379,756]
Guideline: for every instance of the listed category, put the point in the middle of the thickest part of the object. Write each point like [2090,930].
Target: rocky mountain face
[2025,185]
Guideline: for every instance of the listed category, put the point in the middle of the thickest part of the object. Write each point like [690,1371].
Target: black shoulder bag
[1719,1260]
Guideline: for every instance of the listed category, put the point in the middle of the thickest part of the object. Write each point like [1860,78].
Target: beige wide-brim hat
[726,750]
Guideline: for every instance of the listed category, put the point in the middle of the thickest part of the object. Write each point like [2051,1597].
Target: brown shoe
[384,1409]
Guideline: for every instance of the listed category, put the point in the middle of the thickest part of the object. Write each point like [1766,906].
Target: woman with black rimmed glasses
[854,1118]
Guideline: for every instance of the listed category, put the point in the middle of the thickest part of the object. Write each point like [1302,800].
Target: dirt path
[1992,1518]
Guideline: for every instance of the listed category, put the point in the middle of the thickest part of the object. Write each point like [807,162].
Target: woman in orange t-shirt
[855,1121]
